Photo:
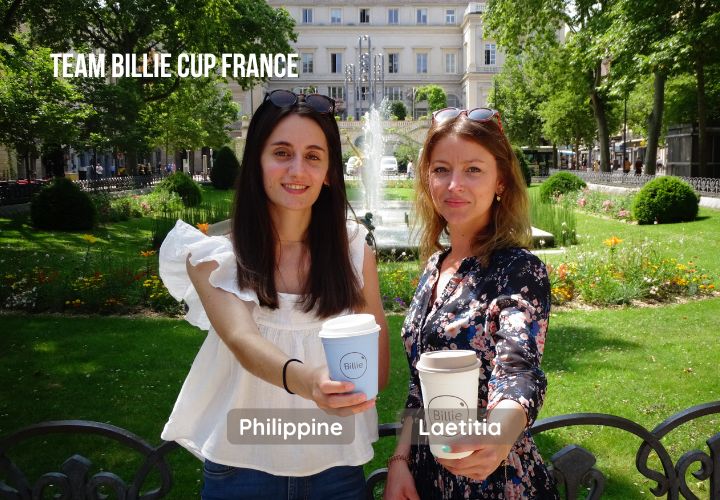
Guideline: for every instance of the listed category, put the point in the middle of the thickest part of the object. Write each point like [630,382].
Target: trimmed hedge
[524,167]
[560,183]
[62,205]
[225,169]
[184,186]
[665,199]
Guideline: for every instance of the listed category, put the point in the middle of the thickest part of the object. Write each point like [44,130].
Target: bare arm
[232,320]
[373,305]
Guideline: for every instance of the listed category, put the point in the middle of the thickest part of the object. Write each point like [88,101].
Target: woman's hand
[334,397]
[400,484]
[485,459]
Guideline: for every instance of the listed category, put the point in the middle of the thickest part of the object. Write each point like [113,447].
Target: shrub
[560,183]
[398,109]
[225,169]
[524,167]
[63,205]
[666,199]
[184,186]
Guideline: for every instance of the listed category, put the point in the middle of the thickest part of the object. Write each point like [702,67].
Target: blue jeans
[223,482]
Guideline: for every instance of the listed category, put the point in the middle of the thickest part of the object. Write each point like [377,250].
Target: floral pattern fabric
[501,312]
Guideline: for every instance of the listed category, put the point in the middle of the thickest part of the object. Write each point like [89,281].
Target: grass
[128,371]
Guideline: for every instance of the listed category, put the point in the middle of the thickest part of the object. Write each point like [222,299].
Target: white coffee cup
[449,384]
[351,350]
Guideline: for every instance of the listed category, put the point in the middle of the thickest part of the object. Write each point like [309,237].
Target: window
[337,93]
[490,54]
[307,16]
[450,16]
[307,63]
[394,93]
[393,62]
[421,16]
[362,93]
[421,61]
[393,16]
[450,63]
[336,65]
[364,16]
[335,16]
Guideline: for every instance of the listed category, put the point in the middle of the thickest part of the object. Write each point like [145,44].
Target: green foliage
[557,219]
[524,167]
[398,280]
[560,183]
[63,205]
[225,169]
[112,210]
[665,199]
[183,185]
[616,206]
[406,152]
[435,96]
[398,109]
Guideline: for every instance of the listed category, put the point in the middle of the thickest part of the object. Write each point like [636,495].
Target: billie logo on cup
[447,409]
[353,365]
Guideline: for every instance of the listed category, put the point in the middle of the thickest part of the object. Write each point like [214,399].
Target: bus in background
[540,159]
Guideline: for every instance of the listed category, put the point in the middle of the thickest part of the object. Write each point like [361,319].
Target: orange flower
[147,253]
[611,242]
[203,227]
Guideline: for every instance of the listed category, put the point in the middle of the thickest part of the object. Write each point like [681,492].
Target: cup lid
[349,325]
[448,361]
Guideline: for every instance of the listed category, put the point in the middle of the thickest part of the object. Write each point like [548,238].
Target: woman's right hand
[400,484]
[335,397]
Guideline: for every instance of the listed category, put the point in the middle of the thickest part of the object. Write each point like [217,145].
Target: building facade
[416,43]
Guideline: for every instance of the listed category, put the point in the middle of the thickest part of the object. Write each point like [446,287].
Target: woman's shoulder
[515,258]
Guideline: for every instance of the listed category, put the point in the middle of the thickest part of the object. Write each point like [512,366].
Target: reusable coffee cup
[449,384]
[351,351]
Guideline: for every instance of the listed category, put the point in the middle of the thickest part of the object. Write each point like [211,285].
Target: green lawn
[641,364]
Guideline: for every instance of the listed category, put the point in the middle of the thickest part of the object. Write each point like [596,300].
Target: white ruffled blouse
[217,382]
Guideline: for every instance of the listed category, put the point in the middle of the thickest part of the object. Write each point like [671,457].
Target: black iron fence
[708,186]
[573,466]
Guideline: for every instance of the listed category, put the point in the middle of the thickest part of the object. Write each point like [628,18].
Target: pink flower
[582,202]
[607,205]
[623,213]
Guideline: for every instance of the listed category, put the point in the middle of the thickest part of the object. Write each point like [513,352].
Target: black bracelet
[285,373]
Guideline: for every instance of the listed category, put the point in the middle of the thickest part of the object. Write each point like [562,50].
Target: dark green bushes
[64,206]
[560,183]
[184,186]
[666,199]
[225,169]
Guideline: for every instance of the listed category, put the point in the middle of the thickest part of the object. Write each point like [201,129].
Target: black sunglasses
[284,98]
[475,114]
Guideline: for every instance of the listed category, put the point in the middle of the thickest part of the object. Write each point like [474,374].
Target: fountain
[390,218]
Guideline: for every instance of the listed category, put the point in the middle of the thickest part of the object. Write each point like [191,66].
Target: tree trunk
[655,122]
[702,116]
[598,107]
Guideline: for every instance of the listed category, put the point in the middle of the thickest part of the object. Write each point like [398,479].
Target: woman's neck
[291,225]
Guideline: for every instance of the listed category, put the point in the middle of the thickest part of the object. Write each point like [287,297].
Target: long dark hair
[331,286]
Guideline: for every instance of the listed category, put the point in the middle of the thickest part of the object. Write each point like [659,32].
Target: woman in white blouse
[290,262]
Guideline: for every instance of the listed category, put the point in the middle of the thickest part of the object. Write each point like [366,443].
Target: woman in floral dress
[485,292]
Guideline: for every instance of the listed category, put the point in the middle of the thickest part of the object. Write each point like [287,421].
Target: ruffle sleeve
[184,240]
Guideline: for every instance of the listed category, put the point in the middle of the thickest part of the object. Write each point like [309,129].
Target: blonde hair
[510,219]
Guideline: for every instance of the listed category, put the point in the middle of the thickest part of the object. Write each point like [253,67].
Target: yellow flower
[89,238]
[611,242]
[147,253]
[203,227]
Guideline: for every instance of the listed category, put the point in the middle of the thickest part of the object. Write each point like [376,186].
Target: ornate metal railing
[702,185]
[123,183]
[573,466]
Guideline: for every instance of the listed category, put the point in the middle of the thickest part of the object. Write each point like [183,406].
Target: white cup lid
[349,326]
[448,361]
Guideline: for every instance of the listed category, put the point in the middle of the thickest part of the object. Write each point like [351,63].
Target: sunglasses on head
[285,98]
[475,114]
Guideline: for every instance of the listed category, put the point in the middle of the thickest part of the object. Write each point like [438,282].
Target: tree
[398,110]
[520,25]
[517,96]
[37,111]
[435,96]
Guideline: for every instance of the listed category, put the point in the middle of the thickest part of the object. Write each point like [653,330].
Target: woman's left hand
[478,466]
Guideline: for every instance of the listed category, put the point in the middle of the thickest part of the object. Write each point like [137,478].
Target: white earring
[497,197]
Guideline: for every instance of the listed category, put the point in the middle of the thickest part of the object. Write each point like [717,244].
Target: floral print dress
[501,312]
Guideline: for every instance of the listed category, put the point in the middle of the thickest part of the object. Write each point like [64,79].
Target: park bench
[573,466]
